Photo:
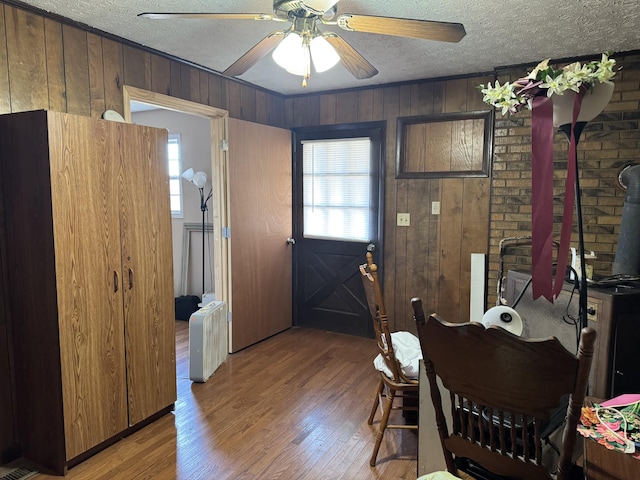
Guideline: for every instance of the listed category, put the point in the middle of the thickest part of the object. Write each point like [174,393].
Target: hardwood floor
[292,407]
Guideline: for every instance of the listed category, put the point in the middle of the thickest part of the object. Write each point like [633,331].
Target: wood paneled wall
[45,64]
[430,258]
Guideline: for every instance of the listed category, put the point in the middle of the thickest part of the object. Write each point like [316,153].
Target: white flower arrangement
[546,80]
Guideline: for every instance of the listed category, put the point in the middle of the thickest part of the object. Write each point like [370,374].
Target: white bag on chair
[406,347]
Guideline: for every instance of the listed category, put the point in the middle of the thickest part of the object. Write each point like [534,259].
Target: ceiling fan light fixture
[290,53]
[323,54]
[302,65]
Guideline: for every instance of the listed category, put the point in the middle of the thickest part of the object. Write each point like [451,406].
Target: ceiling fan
[303,42]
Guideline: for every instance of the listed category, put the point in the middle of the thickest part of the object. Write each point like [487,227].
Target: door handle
[115,281]
[371,247]
[291,241]
[130,278]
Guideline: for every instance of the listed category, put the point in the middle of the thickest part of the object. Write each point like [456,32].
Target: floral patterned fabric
[615,428]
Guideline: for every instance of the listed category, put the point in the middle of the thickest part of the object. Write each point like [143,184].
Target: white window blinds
[336,189]
[174,167]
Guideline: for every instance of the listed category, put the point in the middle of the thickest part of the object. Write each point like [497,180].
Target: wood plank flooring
[294,406]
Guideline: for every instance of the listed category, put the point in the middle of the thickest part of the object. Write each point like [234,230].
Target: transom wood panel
[445,145]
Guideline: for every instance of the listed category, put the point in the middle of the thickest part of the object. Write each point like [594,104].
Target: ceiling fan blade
[221,16]
[258,51]
[402,27]
[357,65]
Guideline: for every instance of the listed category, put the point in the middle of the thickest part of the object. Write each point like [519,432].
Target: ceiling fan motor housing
[285,9]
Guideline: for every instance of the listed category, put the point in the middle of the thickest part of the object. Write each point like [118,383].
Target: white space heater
[208,340]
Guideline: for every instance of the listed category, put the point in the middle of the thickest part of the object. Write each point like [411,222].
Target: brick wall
[608,143]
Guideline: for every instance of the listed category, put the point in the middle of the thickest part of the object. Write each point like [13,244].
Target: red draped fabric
[542,133]
[542,197]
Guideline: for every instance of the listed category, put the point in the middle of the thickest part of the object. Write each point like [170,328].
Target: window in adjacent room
[175,168]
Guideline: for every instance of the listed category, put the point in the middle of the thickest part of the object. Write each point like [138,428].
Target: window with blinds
[336,189]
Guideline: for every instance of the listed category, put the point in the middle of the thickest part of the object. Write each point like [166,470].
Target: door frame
[343,130]
[218,120]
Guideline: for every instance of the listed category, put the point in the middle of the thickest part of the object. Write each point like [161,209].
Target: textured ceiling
[525,31]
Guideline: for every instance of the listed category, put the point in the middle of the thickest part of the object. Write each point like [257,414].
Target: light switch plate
[403,219]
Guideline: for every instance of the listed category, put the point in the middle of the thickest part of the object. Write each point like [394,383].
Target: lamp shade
[199,179]
[188,174]
[593,103]
[505,317]
[323,54]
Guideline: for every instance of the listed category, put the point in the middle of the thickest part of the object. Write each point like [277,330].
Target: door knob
[291,241]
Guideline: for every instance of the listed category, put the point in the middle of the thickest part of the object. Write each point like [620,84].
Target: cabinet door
[147,261]
[625,377]
[89,288]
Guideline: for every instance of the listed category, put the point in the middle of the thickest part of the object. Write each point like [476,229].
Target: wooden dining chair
[503,390]
[395,391]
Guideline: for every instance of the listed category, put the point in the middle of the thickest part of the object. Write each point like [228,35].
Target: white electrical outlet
[435,208]
[403,220]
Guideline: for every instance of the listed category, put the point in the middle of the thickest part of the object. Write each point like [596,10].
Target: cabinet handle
[115,281]
[130,278]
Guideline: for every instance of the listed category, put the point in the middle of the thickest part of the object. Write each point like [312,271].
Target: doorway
[210,123]
[251,178]
[338,205]
[216,127]
[189,148]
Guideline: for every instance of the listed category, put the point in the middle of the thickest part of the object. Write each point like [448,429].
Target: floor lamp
[592,105]
[582,278]
[199,179]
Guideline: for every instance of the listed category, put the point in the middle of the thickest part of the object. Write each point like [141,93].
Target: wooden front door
[260,223]
[328,284]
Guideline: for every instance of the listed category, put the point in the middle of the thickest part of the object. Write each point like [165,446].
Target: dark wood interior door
[328,291]
[261,222]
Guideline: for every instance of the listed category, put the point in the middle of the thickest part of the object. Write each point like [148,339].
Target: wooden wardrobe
[88,241]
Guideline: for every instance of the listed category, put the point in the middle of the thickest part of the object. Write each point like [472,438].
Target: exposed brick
[604,220]
[632,95]
[622,106]
[608,142]
[600,135]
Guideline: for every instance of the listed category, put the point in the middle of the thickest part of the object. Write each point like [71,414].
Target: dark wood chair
[496,381]
[397,392]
